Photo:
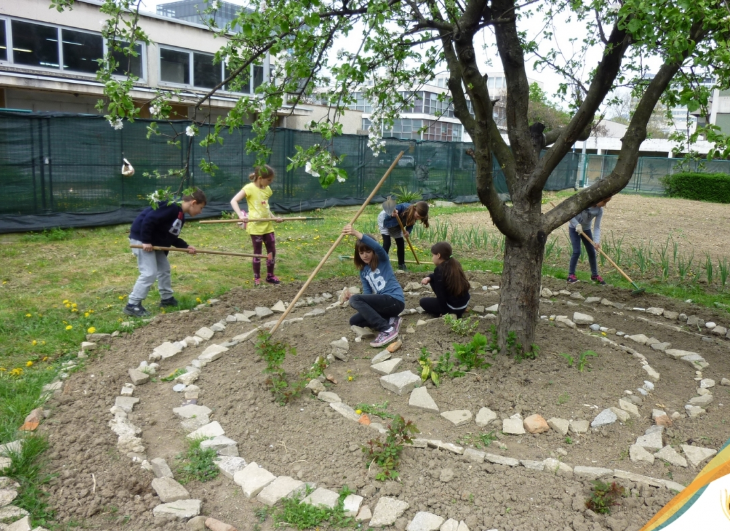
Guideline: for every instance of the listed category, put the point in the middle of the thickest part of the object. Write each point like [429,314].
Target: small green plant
[463,327]
[197,463]
[170,377]
[722,268]
[379,410]
[404,195]
[708,268]
[471,355]
[562,399]
[446,367]
[568,358]
[427,368]
[480,440]
[568,440]
[583,359]
[604,496]
[386,454]
[295,513]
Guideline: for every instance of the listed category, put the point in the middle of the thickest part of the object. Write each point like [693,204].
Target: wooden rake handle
[334,245]
[606,257]
[255,220]
[405,234]
[201,251]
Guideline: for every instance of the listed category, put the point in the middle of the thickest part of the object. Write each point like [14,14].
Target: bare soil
[695,225]
[100,489]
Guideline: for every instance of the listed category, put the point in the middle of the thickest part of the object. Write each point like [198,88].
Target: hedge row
[714,187]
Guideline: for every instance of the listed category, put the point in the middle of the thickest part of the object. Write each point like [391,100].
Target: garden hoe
[388,206]
[637,289]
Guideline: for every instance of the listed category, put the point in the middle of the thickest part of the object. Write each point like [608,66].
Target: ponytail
[261,172]
[454,277]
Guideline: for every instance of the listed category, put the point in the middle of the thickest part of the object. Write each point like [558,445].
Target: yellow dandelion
[45,358]
[73,305]
[86,314]
[69,327]
[74,309]
[3,369]
[29,364]
[67,305]
[65,301]
[34,342]
[29,315]
[43,342]
[91,330]
[121,297]
[198,300]
[358,411]
[350,378]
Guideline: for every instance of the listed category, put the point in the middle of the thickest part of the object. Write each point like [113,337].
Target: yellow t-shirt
[258,207]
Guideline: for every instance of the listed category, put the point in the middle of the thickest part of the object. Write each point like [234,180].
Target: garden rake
[388,206]
[637,289]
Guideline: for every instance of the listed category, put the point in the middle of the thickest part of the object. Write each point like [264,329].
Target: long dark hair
[359,247]
[409,214]
[454,276]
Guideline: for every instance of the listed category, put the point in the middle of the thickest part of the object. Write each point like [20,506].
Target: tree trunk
[519,301]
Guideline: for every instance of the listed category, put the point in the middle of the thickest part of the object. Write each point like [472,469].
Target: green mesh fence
[54,165]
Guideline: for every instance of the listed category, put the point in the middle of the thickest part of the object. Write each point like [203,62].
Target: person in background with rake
[584,219]
[159,227]
[257,194]
[390,228]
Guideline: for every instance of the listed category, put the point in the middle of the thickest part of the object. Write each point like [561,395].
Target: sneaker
[257,282]
[599,279]
[172,301]
[135,310]
[385,337]
[572,279]
[272,279]
[402,267]
[395,322]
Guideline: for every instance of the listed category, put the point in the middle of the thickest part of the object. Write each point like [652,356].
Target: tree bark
[519,294]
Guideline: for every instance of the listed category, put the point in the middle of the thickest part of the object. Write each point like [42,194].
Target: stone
[592,473]
[557,467]
[563,322]
[422,400]
[222,445]
[183,509]
[19,525]
[166,350]
[327,396]
[213,429]
[191,411]
[501,460]
[381,357]
[535,424]
[281,487]
[316,386]
[693,320]
[679,354]
[160,468]
[604,418]
[671,456]
[478,309]
[362,332]
[476,456]
[493,308]
[719,330]
[458,417]
[218,327]
[424,521]
[651,373]
[351,504]
[450,525]
[655,311]
[400,383]
[710,325]
[322,497]
[11,512]
[725,382]
[670,314]
[638,454]
[637,478]
[652,441]
[707,383]
[641,339]
[212,353]
[694,411]
[696,454]
[262,311]
[701,401]
[661,347]
[579,426]
[387,511]
[253,479]
[533,465]
[628,407]
[386,367]
[364,514]
[314,313]
[622,415]
[126,403]
[230,465]
[513,426]
[485,416]
[138,377]
[7,496]
[279,307]
[393,347]
[205,333]
[169,490]
[582,318]
[217,525]
[577,295]
[559,425]
[345,410]
[546,293]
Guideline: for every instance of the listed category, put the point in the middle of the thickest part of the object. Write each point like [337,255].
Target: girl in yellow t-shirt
[257,194]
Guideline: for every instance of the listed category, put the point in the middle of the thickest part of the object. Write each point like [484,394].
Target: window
[129,63]
[3,42]
[174,66]
[206,73]
[241,83]
[81,51]
[361,104]
[258,76]
[35,45]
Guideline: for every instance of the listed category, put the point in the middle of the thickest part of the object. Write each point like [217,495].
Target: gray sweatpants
[152,265]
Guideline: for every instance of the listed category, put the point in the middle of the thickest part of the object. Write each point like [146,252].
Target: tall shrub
[714,187]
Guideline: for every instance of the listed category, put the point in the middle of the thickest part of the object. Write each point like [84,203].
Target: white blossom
[155,109]
[309,170]
[215,4]
[190,130]
[154,196]
[340,179]
[116,124]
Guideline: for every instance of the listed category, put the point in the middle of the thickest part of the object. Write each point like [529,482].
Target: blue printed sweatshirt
[381,281]
[389,222]
[161,226]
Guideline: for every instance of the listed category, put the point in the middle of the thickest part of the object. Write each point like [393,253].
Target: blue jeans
[375,310]
[575,239]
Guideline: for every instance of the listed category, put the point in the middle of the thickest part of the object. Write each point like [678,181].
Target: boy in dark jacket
[159,227]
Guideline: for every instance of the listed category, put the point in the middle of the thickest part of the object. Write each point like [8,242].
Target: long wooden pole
[176,249]
[334,245]
[254,220]
[404,232]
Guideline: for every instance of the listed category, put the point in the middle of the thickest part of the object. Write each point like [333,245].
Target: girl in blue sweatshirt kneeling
[382,298]
[448,282]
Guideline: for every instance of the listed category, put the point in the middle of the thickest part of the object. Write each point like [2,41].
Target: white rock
[485,416]
[212,353]
[229,465]
[281,487]
[381,357]
[424,521]
[652,441]
[582,318]
[386,367]
[169,490]
[638,454]
[710,325]
[592,473]
[222,445]
[279,307]
[493,308]
[533,465]
[167,350]
[557,467]
[191,411]
[629,407]
[458,417]
[641,339]
[126,403]
[622,415]
[400,383]
[694,411]
[345,410]
[579,426]
[707,383]
[501,460]
[701,401]
[387,511]
[205,333]
[559,425]
[322,497]
[253,479]
[327,396]
[696,454]
[671,456]
[213,429]
[513,426]
[477,456]
[422,400]
[184,509]
[604,418]
[351,504]
[655,311]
